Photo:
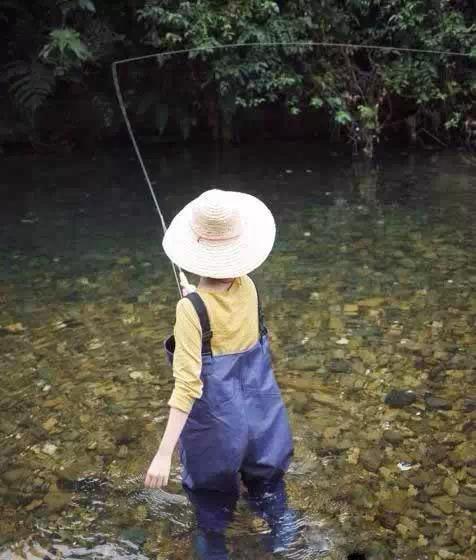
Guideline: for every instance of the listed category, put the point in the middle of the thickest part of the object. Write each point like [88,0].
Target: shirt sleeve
[187,357]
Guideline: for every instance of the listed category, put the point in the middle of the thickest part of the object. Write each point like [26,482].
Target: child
[226,407]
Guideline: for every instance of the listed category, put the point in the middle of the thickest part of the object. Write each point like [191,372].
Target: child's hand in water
[158,474]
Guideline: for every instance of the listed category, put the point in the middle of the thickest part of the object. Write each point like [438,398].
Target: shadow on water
[368,297]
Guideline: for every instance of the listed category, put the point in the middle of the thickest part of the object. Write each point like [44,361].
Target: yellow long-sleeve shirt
[234,323]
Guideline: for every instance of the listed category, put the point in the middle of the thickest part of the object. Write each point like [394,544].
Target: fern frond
[30,84]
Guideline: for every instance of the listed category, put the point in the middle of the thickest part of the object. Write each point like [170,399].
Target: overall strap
[204,319]
[263,331]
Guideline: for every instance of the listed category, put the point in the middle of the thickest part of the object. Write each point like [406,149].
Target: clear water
[370,288]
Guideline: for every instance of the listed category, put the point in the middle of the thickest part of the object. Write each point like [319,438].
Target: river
[369,298]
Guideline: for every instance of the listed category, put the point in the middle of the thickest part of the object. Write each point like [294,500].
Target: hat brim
[230,258]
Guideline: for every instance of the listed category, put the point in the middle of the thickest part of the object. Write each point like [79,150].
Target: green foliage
[231,79]
[30,84]
[65,50]
[364,93]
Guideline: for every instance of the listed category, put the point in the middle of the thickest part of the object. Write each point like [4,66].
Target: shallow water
[370,288]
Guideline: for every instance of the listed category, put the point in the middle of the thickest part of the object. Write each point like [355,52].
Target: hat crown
[216,216]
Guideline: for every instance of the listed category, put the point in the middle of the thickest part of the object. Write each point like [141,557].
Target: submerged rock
[399,398]
[299,401]
[451,486]
[437,403]
[56,501]
[371,459]
[137,535]
[464,453]
[339,366]
[392,436]
[16,475]
[466,502]
[444,504]
[469,404]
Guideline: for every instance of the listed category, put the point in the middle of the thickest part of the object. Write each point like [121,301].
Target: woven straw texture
[221,234]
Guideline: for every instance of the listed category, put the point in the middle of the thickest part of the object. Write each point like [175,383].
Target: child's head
[221,235]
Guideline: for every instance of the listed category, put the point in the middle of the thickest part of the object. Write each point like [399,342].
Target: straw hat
[221,234]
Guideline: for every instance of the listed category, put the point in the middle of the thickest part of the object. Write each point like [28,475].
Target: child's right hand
[158,474]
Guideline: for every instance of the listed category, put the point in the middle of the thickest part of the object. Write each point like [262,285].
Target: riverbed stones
[49,448]
[444,504]
[399,398]
[395,501]
[419,478]
[56,500]
[463,532]
[469,404]
[451,486]
[339,366]
[437,453]
[437,403]
[136,535]
[464,454]
[299,401]
[50,424]
[393,437]
[351,309]
[466,502]
[35,504]
[15,475]
[371,459]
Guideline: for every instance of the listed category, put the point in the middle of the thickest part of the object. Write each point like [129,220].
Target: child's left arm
[159,470]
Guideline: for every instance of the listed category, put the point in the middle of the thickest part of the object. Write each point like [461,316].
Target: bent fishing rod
[180,277]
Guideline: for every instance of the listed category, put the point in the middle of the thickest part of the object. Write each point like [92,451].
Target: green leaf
[316,102]
[366,112]
[29,84]
[343,117]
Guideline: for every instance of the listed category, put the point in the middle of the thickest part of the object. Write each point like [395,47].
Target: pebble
[393,437]
[351,309]
[137,535]
[399,398]
[437,403]
[15,475]
[299,401]
[339,366]
[56,501]
[49,449]
[50,424]
[123,451]
[444,504]
[464,453]
[469,404]
[35,504]
[371,459]
[342,341]
[466,502]
[451,486]
[446,554]
[13,328]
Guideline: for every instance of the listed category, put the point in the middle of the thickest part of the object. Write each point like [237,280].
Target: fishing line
[179,276]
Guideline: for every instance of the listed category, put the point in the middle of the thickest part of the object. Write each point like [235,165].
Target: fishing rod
[180,277]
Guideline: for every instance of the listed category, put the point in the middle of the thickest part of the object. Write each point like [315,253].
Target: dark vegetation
[56,89]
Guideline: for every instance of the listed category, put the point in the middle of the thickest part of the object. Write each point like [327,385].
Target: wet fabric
[237,431]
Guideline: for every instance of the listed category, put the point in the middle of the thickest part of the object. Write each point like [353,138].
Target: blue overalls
[238,429]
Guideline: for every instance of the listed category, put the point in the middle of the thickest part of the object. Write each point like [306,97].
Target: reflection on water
[370,301]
